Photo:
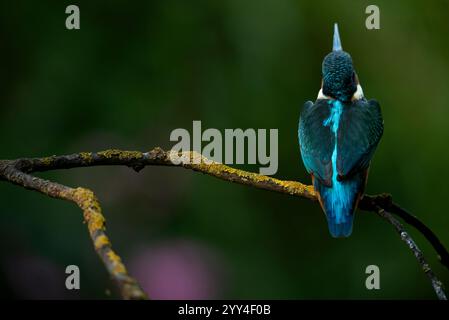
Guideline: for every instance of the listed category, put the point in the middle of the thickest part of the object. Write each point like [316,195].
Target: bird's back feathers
[337,142]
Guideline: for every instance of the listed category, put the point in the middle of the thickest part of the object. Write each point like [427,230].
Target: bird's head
[339,78]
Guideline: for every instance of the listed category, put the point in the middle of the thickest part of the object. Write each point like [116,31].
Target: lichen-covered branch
[86,200]
[138,160]
[194,161]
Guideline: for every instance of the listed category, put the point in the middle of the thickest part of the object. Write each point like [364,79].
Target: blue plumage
[338,200]
[338,135]
[338,203]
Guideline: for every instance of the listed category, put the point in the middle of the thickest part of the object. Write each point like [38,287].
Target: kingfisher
[338,135]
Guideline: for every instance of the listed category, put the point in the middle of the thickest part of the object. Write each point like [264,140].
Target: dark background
[137,70]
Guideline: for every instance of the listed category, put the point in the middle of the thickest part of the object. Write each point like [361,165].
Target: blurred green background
[137,70]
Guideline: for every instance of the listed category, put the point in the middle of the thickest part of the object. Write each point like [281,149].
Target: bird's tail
[339,202]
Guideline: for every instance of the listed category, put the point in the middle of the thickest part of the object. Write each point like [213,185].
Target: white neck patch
[358,94]
[321,95]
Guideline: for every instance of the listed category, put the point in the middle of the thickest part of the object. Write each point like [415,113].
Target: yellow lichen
[95,222]
[297,188]
[109,153]
[86,156]
[101,241]
[82,193]
[116,261]
[219,170]
[87,201]
[47,160]
[122,155]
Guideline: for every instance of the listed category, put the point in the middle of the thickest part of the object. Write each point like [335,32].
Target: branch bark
[436,283]
[88,203]
[18,172]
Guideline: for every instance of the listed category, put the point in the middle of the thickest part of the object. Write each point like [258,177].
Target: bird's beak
[337,43]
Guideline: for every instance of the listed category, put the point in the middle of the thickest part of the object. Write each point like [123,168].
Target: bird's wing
[359,132]
[316,140]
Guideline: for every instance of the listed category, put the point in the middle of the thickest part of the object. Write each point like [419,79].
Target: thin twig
[412,220]
[194,161]
[436,284]
[371,203]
